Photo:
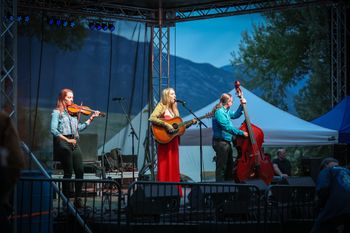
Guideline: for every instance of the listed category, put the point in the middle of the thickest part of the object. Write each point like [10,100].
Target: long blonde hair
[61,104]
[225,97]
[165,100]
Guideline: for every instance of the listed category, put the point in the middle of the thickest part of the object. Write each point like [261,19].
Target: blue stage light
[19,18]
[58,22]
[65,23]
[111,27]
[26,19]
[11,18]
[98,26]
[92,26]
[51,21]
[72,24]
[104,27]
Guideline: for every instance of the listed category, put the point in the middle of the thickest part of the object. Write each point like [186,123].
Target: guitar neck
[188,122]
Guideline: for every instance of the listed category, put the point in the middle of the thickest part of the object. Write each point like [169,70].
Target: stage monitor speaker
[300,189]
[154,200]
[305,181]
[310,167]
[226,200]
[88,146]
[260,184]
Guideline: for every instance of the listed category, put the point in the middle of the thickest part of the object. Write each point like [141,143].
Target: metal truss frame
[160,18]
[106,9]
[89,9]
[8,58]
[230,8]
[339,45]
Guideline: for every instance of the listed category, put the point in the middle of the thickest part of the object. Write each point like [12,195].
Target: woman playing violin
[65,129]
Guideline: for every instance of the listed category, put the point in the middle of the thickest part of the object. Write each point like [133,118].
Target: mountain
[87,71]
[200,83]
[95,82]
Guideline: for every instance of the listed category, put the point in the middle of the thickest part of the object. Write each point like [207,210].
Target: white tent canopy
[280,128]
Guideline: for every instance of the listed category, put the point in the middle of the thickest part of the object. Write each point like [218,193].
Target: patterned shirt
[65,124]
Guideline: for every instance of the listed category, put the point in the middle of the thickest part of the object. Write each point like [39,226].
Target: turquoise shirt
[223,128]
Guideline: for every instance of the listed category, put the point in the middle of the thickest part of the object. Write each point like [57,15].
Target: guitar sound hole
[175,126]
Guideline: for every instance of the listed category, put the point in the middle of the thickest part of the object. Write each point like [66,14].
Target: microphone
[180,101]
[118,99]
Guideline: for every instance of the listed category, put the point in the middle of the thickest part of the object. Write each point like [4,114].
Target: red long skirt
[168,162]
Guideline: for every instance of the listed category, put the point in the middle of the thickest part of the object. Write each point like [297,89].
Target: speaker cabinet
[310,167]
[88,146]
[305,181]
[226,200]
[260,184]
[154,200]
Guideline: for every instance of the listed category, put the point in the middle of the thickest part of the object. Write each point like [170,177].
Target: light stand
[133,136]
[200,122]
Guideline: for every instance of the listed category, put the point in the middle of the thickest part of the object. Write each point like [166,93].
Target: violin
[74,109]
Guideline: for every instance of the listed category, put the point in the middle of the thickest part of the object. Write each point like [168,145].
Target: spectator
[281,165]
[333,198]
[11,163]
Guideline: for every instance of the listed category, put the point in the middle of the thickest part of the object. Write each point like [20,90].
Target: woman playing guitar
[168,153]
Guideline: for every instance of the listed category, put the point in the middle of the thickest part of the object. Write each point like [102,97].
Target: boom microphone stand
[133,136]
[200,122]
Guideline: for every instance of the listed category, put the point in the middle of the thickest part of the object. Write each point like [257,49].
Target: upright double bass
[251,162]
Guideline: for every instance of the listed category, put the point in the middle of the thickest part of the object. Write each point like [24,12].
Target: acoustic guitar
[161,134]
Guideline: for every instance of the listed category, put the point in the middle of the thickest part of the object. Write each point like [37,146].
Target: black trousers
[71,159]
[224,160]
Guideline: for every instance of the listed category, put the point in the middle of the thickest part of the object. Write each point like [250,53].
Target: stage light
[72,24]
[92,26]
[26,19]
[98,26]
[104,27]
[111,27]
[19,18]
[58,22]
[50,21]
[65,23]
[11,18]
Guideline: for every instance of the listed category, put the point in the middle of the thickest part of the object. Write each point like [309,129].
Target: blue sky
[202,41]
[212,40]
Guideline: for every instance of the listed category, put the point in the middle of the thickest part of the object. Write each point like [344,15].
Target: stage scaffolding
[161,16]
[8,58]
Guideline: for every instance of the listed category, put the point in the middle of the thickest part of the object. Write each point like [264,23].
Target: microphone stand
[200,122]
[133,136]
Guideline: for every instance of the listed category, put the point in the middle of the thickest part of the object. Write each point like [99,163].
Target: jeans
[71,159]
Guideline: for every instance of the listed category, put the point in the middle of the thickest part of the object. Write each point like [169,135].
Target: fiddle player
[223,131]
[65,130]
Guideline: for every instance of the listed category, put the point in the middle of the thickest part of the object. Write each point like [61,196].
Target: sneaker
[78,203]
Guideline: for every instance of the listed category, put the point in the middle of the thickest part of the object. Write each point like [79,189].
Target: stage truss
[160,16]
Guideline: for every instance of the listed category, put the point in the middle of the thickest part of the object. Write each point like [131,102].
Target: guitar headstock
[238,89]
[209,114]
